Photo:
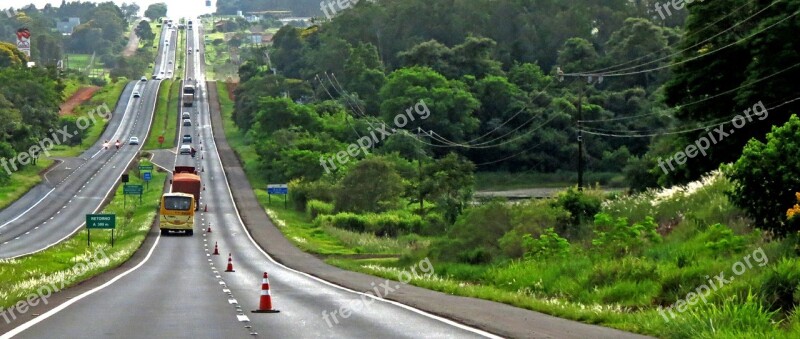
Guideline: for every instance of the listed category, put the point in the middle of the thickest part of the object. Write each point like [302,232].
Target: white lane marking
[232,301]
[112,189]
[29,209]
[392,302]
[19,329]
[242,318]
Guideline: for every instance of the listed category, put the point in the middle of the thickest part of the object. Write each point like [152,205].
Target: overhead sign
[148,176]
[278,189]
[101,221]
[145,167]
[133,189]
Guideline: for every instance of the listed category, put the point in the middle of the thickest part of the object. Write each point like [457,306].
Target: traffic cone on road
[265,304]
[206,208]
[230,264]
[209,228]
[216,248]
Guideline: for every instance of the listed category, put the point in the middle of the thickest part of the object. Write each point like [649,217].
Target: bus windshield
[177,203]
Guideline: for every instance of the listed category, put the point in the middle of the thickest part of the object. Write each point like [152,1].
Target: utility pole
[590,80]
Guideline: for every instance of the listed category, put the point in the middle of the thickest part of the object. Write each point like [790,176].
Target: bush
[781,284]
[315,208]
[619,239]
[582,206]
[548,245]
[766,201]
[382,225]
[721,240]
[627,269]
[302,191]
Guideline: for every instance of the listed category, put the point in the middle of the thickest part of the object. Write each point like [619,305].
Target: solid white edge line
[29,209]
[19,329]
[395,303]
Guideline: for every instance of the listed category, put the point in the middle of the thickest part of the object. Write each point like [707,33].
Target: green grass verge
[62,264]
[165,122]
[22,181]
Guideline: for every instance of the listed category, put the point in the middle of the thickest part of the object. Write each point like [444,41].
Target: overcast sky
[177,8]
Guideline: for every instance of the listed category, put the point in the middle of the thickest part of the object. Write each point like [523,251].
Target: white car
[144,78]
[136,94]
[133,141]
[186,149]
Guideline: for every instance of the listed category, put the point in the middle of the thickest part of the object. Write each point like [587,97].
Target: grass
[218,65]
[22,181]
[69,262]
[165,122]
[521,180]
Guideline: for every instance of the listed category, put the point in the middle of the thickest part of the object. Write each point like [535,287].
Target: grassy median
[165,120]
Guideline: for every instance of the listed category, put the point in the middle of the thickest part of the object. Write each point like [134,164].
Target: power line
[698,101]
[693,46]
[692,58]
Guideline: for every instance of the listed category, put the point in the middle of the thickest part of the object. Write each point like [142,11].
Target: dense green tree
[144,31]
[372,185]
[155,11]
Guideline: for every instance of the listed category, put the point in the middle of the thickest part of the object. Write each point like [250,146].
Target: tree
[155,11]
[144,31]
[372,185]
[765,178]
[449,181]
[10,56]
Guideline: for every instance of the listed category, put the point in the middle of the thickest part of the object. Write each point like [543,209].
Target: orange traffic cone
[209,228]
[206,208]
[230,264]
[204,187]
[265,304]
[201,157]
[216,248]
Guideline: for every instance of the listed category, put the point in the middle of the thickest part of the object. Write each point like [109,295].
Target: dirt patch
[231,87]
[132,46]
[81,96]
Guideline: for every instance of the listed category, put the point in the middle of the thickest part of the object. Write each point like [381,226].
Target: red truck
[186,180]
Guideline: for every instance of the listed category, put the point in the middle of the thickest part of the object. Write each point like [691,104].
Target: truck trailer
[186,180]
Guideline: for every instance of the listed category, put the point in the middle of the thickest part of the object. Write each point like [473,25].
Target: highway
[55,209]
[179,290]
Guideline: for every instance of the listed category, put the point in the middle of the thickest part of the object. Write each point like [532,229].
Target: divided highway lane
[181,291]
[52,211]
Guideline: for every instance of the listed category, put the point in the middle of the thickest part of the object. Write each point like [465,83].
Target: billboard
[24,41]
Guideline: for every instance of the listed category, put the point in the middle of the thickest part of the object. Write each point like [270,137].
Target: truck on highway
[188,94]
[186,180]
[178,207]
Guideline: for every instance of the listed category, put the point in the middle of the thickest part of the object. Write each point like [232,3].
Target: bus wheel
[164,232]
[190,232]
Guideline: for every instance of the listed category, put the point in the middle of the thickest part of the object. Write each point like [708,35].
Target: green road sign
[145,167]
[133,189]
[101,221]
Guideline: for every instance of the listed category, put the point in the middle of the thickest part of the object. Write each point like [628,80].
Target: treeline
[298,7]
[101,30]
[29,104]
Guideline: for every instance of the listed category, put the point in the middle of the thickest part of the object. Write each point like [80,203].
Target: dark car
[187,138]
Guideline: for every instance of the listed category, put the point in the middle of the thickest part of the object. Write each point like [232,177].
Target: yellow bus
[177,213]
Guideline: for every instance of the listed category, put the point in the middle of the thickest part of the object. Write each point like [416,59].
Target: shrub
[582,205]
[780,286]
[300,192]
[721,240]
[627,269]
[766,201]
[389,224]
[548,245]
[315,208]
[618,238]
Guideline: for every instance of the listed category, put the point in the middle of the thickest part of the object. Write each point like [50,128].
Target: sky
[177,8]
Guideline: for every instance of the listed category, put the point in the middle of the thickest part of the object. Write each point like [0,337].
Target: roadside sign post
[100,221]
[160,141]
[279,189]
[147,177]
[145,168]
[125,179]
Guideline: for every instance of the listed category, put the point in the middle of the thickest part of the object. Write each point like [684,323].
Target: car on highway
[186,149]
[144,78]
[187,138]
[133,141]
[190,51]
[186,115]
[187,122]
[136,94]
[170,62]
